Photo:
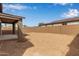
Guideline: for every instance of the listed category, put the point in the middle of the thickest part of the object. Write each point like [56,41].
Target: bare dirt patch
[52,44]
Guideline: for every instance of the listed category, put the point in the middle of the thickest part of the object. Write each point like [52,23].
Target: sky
[36,13]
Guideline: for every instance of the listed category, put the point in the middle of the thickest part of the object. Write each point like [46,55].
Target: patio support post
[14,29]
[20,33]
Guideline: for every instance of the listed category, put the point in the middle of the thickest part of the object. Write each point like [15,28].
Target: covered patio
[14,20]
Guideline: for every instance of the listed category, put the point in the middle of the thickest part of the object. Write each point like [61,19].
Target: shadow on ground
[14,47]
[74,47]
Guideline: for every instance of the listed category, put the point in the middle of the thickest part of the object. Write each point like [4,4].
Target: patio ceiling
[9,18]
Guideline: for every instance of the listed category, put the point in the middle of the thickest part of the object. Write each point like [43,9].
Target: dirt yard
[42,44]
[52,44]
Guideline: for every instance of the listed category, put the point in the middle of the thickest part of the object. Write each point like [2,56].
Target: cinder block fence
[65,29]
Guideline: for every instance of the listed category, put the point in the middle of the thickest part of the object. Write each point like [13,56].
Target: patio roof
[9,18]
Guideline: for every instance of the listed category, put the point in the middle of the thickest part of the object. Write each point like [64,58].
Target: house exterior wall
[42,26]
[57,24]
[73,23]
[49,25]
